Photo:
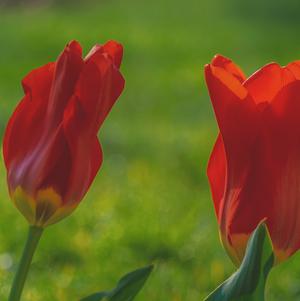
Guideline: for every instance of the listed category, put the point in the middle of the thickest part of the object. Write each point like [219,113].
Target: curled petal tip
[218,57]
[110,49]
[74,46]
[115,50]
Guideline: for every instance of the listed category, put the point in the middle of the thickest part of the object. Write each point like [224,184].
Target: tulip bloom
[51,149]
[254,169]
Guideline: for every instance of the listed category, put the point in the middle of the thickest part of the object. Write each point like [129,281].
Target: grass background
[150,202]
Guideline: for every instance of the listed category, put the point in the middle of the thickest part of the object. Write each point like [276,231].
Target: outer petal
[49,89]
[85,149]
[67,71]
[294,67]
[38,170]
[52,149]
[266,83]
[98,99]
[237,117]
[282,145]
[216,171]
[21,128]
[98,88]
[271,188]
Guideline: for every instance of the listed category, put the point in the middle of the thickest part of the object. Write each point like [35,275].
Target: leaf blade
[248,282]
[127,287]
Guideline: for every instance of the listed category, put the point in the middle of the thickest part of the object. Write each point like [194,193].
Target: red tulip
[254,169]
[51,149]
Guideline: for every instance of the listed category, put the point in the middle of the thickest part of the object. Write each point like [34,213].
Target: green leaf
[96,297]
[248,282]
[127,287]
[130,285]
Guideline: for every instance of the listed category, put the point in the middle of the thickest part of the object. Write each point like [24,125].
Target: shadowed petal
[66,74]
[216,172]
[237,117]
[22,126]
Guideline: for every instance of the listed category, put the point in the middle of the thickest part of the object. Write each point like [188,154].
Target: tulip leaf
[126,289]
[248,282]
[96,297]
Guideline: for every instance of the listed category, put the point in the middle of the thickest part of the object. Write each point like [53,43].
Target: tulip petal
[271,189]
[67,71]
[294,67]
[86,153]
[112,48]
[216,172]
[47,165]
[47,88]
[100,86]
[237,117]
[229,66]
[115,51]
[282,150]
[264,84]
[38,83]
[57,164]
[21,128]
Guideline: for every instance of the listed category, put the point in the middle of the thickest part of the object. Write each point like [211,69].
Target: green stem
[34,235]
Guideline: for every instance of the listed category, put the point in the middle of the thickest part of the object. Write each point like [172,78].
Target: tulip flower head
[254,168]
[51,150]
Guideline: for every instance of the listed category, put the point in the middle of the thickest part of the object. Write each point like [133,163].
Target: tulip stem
[34,235]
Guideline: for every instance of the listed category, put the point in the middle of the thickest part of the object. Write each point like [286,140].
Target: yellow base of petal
[281,255]
[44,209]
[236,249]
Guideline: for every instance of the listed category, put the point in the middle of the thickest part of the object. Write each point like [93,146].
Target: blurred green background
[150,202]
